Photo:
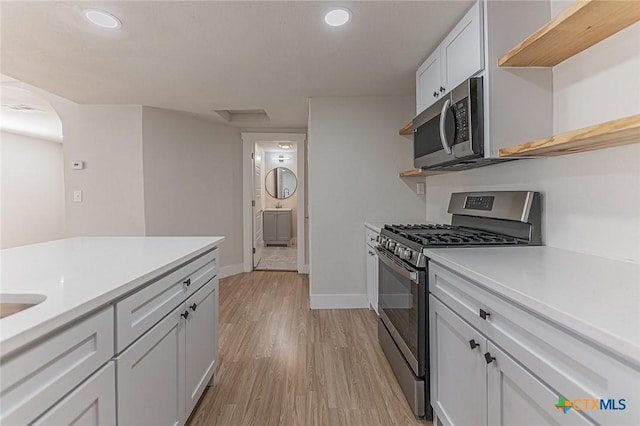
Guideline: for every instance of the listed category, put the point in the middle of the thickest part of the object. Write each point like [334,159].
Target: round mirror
[281,183]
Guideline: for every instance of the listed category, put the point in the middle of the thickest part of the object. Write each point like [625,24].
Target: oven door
[402,305]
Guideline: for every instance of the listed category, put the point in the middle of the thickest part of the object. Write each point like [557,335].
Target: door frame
[249,140]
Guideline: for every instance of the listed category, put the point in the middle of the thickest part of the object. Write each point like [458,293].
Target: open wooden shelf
[580,26]
[623,131]
[407,130]
[421,173]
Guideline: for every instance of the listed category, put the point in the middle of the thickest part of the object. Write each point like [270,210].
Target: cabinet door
[150,375]
[428,82]
[269,226]
[283,226]
[140,311]
[462,52]
[201,341]
[372,277]
[93,403]
[458,371]
[516,398]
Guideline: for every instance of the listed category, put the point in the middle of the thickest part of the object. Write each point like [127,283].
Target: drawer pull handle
[473,344]
[489,358]
[187,282]
[484,314]
[193,307]
[185,314]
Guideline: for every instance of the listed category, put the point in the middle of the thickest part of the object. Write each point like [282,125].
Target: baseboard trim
[229,270]
[338,301]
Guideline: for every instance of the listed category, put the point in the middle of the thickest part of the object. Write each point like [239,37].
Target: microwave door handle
[443,118]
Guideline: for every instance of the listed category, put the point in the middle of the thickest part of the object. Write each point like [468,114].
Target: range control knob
[391,245]
[406,254]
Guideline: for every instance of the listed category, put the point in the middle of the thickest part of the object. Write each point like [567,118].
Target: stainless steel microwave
[450,133]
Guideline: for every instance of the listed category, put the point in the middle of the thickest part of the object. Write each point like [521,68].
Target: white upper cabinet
[458,57]
[472,49]
[461,52]
[428,82]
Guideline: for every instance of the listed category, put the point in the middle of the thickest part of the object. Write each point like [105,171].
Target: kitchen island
[104,302]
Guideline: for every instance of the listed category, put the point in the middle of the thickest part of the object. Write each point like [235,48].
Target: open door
[258,240]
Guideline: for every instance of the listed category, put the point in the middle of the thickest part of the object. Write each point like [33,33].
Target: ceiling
[26,113]
[274,146]
[203,56]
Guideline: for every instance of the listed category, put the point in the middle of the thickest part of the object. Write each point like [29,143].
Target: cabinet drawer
[91,403]
[370,237]
[565,361]
[35,379]
[140,311]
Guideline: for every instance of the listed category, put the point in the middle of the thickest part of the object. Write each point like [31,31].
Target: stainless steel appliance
[480,219]
[449,135]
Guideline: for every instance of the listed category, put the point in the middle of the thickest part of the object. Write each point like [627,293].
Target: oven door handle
[396,266]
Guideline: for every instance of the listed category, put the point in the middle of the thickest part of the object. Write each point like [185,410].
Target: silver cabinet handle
[443,117]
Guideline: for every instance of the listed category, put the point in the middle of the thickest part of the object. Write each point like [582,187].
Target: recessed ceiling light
[102,19]
[285,145]
[337,16]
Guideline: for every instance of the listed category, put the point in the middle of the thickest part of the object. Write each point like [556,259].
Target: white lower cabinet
[458,369]
[473,382]
[150,375]
[34,380]
[162,375]
[371,256]
[528,363]
[515,397]
[93,403]
[201,342]
[372,277]
[146,365]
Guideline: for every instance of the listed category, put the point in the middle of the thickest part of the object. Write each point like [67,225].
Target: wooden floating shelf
[623,131]
[579,27]
[407,130]
[421,173]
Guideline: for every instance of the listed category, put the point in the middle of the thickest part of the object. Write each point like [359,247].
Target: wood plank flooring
[284,364]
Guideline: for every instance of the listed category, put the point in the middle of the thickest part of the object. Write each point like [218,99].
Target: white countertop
[274,209]
[79,275]
[595,297]
[375,226]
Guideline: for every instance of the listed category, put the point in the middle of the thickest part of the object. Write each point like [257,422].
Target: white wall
[289,203]
[355,155]
[193,179]
[32,190]
[108,138]
[590,200]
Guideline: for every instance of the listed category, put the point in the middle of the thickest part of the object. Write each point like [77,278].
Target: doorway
[274,204]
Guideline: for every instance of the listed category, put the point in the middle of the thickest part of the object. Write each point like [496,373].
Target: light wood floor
[284,364]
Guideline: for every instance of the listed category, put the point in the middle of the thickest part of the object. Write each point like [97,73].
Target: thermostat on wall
[77,165]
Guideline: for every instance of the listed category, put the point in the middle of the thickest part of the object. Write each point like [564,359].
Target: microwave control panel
[461,113]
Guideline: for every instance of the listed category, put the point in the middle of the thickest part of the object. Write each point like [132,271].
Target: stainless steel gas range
[480,219]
